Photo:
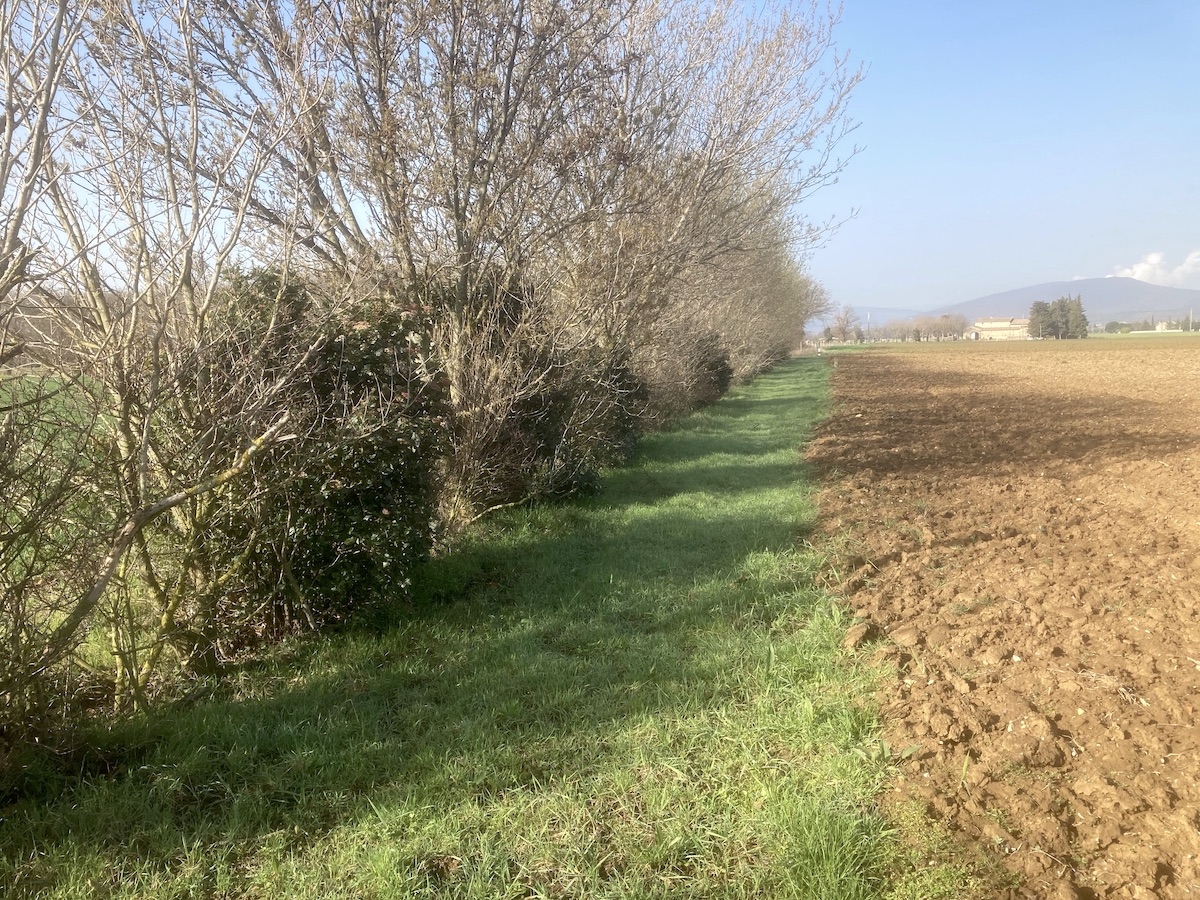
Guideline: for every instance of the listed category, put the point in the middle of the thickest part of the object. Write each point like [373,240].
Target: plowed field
[1025,545]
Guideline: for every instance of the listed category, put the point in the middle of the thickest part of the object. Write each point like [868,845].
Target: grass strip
[642,694]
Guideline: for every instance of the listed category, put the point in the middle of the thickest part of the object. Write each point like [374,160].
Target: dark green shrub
[334,520]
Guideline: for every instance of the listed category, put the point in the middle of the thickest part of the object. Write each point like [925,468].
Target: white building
[994,329]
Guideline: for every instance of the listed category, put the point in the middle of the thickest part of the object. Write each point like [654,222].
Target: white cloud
[1155,269]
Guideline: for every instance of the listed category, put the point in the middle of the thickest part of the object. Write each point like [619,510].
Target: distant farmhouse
[998,330]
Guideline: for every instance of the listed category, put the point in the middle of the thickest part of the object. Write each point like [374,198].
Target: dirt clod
[860,633]
[908,636]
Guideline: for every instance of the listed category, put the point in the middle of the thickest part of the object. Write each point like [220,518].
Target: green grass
[929,863]
[638,695]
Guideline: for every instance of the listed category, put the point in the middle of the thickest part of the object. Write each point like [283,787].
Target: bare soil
[1025,543]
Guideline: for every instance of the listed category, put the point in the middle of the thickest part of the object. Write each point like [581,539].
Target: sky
[1008,143]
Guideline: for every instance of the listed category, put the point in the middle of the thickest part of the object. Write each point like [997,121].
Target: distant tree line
[1186,323]
[946,327]
[290,291]
[847,327]
[1060,319]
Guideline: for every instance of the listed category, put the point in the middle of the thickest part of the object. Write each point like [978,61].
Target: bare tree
[844,322]
[711,140]
[36,38]
[48,544]
[132,239]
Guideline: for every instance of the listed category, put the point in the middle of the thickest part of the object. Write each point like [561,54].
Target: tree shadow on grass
[528,655]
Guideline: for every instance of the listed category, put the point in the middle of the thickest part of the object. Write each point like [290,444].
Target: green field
[1154,335]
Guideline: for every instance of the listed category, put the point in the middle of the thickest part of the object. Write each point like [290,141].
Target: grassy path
[637,695]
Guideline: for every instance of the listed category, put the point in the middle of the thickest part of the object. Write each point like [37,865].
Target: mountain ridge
[1104,300]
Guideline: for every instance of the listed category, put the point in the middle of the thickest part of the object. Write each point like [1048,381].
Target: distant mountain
[1104,300]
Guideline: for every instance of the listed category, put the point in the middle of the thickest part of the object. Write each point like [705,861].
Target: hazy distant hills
[880,315]
[1104,300]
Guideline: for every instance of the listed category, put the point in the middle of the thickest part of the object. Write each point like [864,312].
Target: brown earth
[1025,537]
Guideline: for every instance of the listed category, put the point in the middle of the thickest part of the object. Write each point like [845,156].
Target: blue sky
[1013,143]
